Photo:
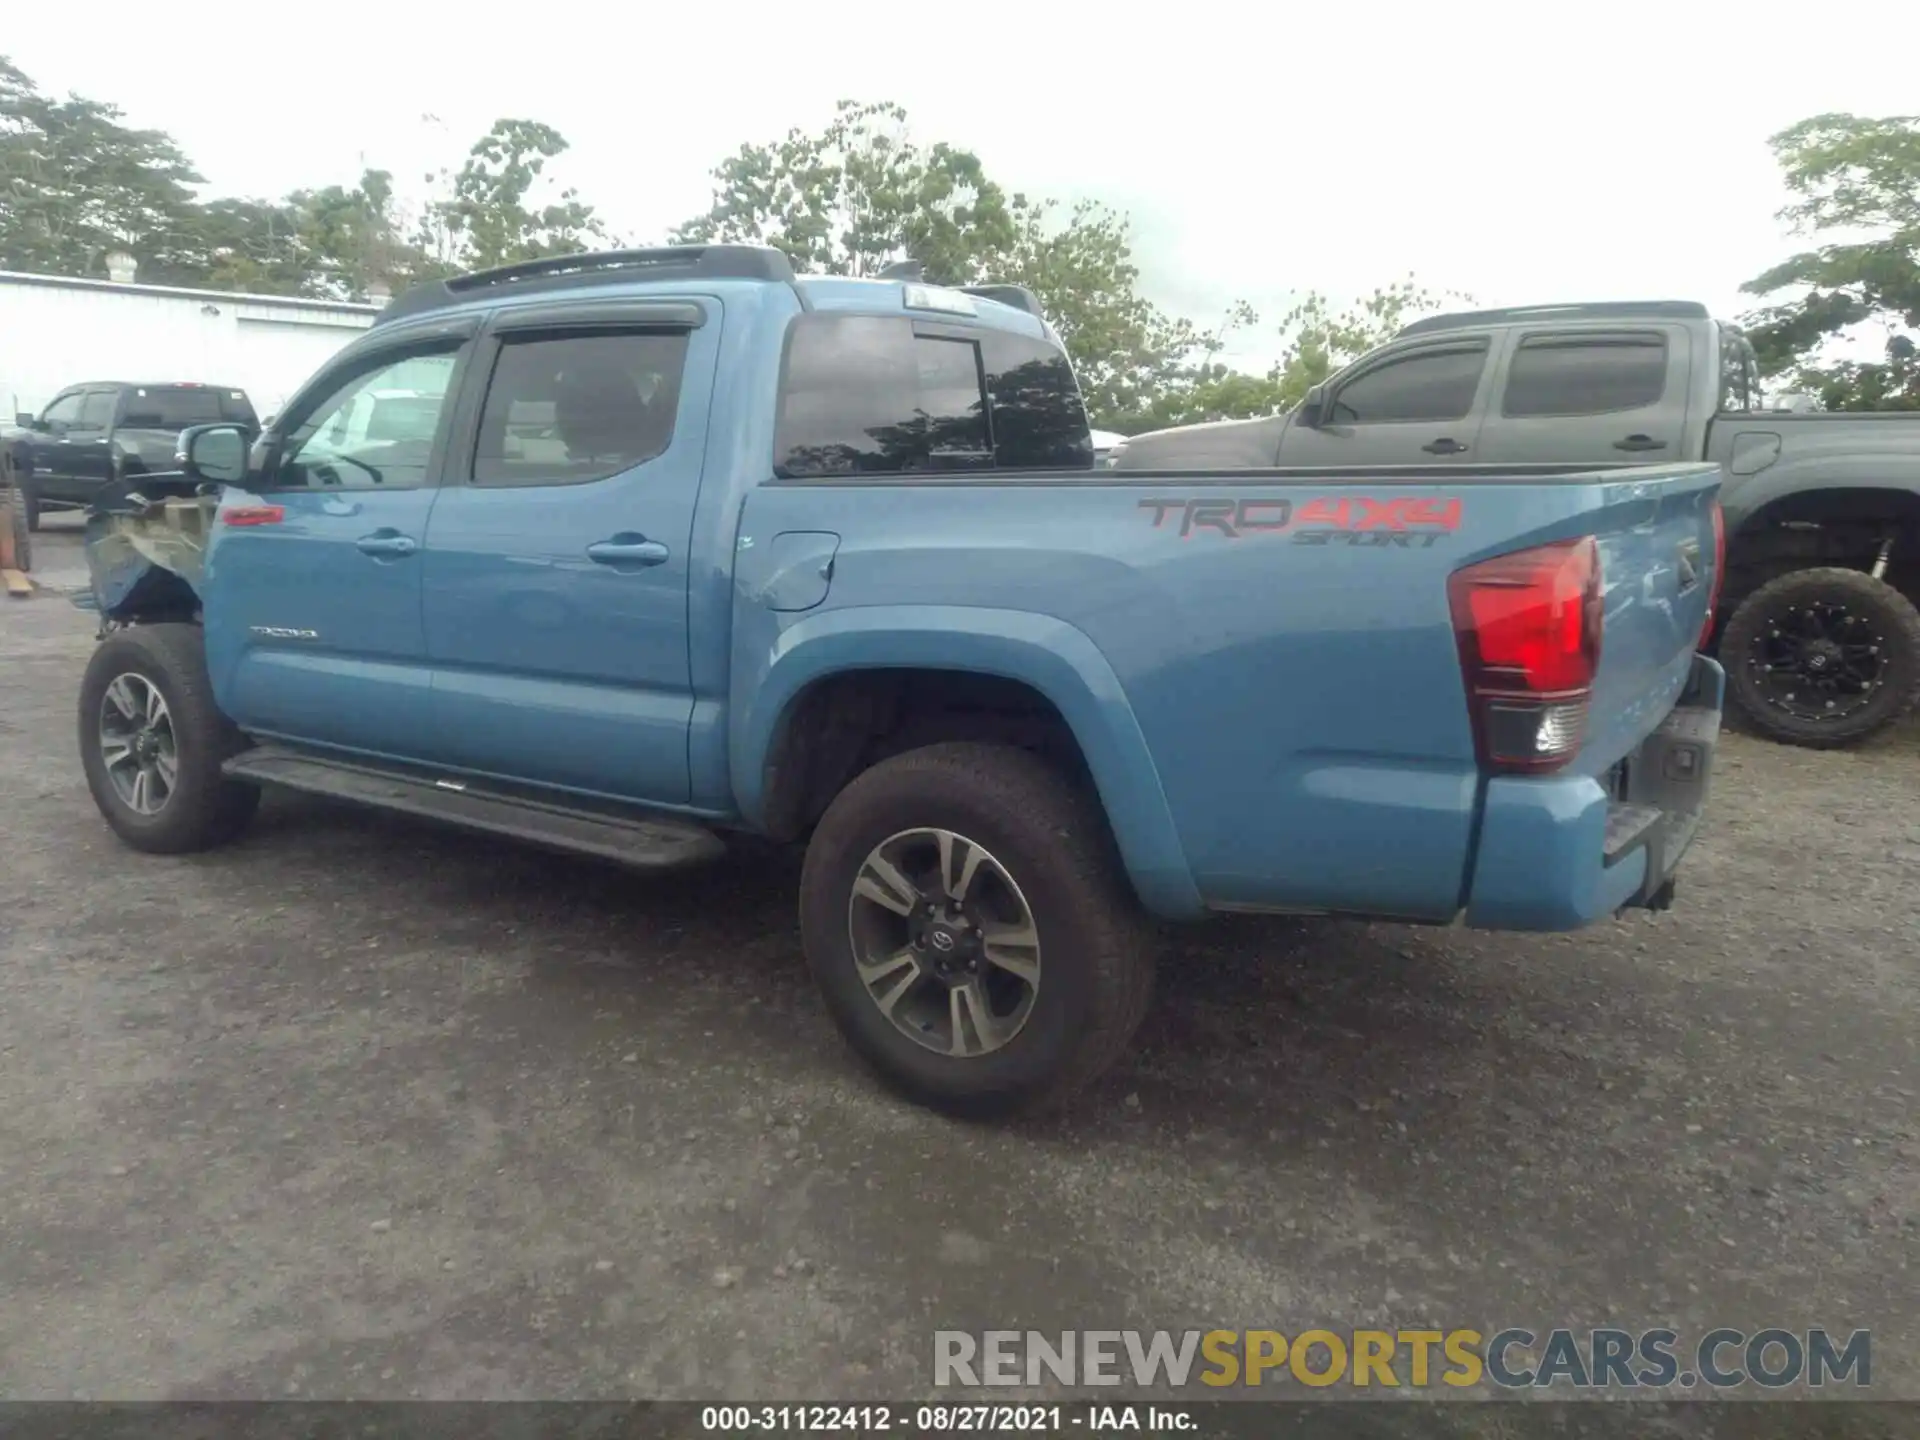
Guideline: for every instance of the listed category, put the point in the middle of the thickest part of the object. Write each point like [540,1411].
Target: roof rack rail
[1598,310]
[675,262]
[1606,310]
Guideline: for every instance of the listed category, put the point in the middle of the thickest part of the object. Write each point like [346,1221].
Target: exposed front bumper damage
[1559,854]
[146,548]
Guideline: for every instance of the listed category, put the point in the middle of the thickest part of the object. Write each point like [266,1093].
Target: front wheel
[152,743]
[1823,658]
[964,911]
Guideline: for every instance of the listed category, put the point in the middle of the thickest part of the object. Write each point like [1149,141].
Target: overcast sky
[1522,153]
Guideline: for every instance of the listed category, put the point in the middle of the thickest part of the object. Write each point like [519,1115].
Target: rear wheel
[1823,658]
[152,743]
[964,911]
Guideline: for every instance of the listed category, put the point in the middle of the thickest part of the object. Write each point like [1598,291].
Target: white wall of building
[56,332]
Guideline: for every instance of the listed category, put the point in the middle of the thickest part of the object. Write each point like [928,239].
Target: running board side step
[646,843]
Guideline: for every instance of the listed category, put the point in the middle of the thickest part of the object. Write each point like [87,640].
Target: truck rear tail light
[1719,574]
[1528,626]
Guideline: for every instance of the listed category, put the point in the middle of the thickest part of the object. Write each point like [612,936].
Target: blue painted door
[313,620]
[557,557]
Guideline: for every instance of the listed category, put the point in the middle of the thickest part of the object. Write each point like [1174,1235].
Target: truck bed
[1282,639]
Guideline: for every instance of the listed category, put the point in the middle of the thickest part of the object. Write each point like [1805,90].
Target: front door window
[375,432]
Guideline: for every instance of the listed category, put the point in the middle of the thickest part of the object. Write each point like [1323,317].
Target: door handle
[1444,446]
[386,542]
[627,551]
[1639,442]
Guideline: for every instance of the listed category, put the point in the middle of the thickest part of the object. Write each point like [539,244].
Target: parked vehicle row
[676,544]
[1819,632]
[93,434]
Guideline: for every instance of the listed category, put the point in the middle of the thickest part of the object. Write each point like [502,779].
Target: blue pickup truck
[621,553]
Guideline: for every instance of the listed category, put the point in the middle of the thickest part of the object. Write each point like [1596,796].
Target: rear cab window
[1739,373]
[175,407]
[894,395]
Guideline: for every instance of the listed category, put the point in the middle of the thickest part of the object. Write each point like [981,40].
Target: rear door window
[1565,375]
[866,395]
[96,411]
[568,408]
[876,395]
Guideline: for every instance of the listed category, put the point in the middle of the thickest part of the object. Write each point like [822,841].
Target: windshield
[175,407]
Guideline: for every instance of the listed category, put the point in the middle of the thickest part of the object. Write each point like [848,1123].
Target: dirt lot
[363,1108]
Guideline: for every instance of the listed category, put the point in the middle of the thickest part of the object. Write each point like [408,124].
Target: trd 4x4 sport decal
[1403,521]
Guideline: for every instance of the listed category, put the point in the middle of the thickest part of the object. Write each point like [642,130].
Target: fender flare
[1053,657]
[1809,477]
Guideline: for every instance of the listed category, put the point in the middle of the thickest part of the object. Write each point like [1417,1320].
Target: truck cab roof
[1601,310]
[617,274]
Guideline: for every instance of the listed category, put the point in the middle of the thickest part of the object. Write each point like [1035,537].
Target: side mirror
[1313,407]
[26,421]
[213,454]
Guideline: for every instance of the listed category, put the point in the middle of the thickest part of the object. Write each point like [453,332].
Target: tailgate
[1658,552]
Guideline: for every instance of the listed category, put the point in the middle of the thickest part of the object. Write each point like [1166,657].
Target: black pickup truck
[1817,627]
[102,431]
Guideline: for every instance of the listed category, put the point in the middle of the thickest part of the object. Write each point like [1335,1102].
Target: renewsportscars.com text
[1588,1359]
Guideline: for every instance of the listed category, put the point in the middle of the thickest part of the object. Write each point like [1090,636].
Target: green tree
[861,194]
[251,245]
[856,197]
[334,243]
[353,240]
[1856,188]
[76,184]
[492,216]
[1126,351]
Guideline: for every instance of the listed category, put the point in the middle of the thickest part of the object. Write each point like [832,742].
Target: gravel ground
[363,1108]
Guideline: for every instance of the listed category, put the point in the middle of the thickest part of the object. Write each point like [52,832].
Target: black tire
[29,503]
[1096,946]
[22,524]
[1893,621]
[203,808]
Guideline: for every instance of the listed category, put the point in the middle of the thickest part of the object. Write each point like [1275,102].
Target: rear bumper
[1559,854]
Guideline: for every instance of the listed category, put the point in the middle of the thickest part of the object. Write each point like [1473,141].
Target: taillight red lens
[253,515]
[1529,630]
[1719,574]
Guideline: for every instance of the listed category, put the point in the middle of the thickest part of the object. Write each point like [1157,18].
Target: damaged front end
[146,543]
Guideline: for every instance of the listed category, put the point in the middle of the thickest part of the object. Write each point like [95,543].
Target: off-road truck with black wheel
[1817,626]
